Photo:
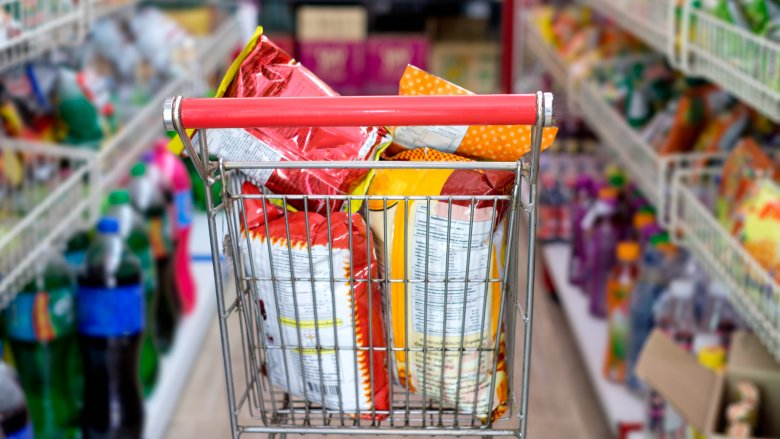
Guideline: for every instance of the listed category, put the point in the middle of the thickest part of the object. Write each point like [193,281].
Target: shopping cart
[265,376]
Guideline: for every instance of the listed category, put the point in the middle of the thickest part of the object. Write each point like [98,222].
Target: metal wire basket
[436,348]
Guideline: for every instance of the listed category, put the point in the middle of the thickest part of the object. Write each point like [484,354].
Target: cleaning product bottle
[584,195]
[175,176]
[600,241]
[621,282]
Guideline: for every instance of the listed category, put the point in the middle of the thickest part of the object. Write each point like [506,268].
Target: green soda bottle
[136,236]
[41,328]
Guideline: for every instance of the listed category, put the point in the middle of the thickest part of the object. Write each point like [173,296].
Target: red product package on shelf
[324,301]
[264,70]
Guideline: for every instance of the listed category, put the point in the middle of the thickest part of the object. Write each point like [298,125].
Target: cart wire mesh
[334,326]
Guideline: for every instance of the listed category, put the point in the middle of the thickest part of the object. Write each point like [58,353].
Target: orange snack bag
[493,142]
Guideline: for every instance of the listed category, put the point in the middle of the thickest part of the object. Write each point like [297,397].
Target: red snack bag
[302,310]
[264,70]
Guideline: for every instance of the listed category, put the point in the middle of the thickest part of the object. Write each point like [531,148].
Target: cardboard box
[331,23]
[473,66]
[701,395]
[387,57]
[340,64]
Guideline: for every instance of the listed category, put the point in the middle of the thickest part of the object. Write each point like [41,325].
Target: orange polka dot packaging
[319,332]
[506,143]
[423,239]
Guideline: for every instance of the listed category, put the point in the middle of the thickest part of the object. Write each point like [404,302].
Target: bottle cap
[628,251]
[119,197]
[659,238]
[617,180]
[647,209]
[608,193]
[643,219]
[108,225]
[682,288]
[138,170]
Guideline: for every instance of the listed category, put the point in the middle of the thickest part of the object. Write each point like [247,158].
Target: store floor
[569,411]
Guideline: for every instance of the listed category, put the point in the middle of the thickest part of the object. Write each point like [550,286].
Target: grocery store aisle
[563,403]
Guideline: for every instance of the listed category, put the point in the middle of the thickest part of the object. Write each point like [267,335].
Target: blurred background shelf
[90,175]
[620,406]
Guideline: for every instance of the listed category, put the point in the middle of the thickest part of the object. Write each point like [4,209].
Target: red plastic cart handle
[354,111]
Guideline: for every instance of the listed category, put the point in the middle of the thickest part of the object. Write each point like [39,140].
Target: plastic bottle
[76,249]
[136,236]
[719,317]
[584,194]
[600,241]
[14,418]
[649,285]
[147,199]
[176,177]
[621,283]
[41,328]
[110,326]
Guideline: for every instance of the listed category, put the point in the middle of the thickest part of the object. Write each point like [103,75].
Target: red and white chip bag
[264,70]
[323,296]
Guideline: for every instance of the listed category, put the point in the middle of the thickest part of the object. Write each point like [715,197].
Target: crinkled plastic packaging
[432,240]
[302,311]
[264,70]
[494,142]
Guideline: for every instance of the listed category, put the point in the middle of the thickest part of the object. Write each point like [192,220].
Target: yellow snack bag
[505,143]
[442,260]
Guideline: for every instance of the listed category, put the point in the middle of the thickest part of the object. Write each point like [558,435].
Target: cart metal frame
[258,406]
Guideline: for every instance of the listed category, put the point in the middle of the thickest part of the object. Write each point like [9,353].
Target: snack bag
[416,243]
[310,312]
[499,143]
[262,69]
[746,163]
[758,226]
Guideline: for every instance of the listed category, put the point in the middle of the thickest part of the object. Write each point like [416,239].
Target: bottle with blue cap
[110,327]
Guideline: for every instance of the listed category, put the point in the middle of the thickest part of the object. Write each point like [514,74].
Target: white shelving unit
[754,291]
[743,63]
[76,200]
[177,365]
[619,404]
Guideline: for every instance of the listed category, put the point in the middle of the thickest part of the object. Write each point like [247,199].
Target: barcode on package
[325,389]
[239,145]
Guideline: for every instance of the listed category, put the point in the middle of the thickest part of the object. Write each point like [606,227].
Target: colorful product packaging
[387,57]
[746,163]
[319,322]
[263,70]
[495,142]
[464,244]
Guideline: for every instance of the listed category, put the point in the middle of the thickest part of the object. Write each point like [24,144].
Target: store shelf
[177,365]
[76,199]
[37,211]
[745,64]
[753,290]
[619,405]
[544,52]
[651,21]
[31,28]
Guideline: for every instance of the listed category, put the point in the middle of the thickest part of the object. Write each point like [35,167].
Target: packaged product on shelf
[41,326]
[723,131]
[584,196]
[321,317]
[500,143]
[263,69]
[744,165]
[758,228]
[621,283]
[696,106]
[600,239]
[437,240]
